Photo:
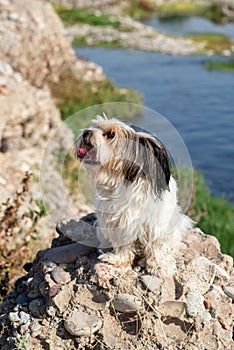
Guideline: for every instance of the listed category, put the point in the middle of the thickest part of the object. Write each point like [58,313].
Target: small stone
[221,273]
[48,265]
[54,290]
[60,276]
[195,304]
[62,298]
[82,324]
[14,316]
[152,283]
[223,323]
[24,317]
[172,308]
[207,303]
[37,307]
[205,316]
[34,327]
[229,291]
[22,299]
[199,274]
[51,311]
[127,303]
[68,253]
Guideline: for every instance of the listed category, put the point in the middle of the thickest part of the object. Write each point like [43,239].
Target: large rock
[32,40]
[124,311]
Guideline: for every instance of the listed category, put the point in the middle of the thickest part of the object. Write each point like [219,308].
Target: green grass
[76,16]
[215,42]
[73,96]
[227,65]
[179,9]
[214,215]
[82,41]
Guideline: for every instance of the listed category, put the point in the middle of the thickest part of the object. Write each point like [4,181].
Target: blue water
[185,26]
[199,103]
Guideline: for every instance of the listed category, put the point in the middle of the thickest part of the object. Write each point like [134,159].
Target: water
[199,103]
[185,26]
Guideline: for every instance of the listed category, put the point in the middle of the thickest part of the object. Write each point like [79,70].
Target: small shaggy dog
[136,196]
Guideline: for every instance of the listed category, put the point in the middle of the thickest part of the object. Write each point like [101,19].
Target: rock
[63,297]
[82,324]
[229,291]
[69,253]
[22,299]
[199,275]
[116,312]
[24,317]
[195,304]
[127,303]
[54,290]
[26,28]
[14,316]
[49,265]
[60,276]
[172,308]
[37,307]
[152,283]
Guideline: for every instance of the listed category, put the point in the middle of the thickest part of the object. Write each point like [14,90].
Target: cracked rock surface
[84,303]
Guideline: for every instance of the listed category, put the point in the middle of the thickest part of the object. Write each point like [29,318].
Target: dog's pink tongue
[81,152]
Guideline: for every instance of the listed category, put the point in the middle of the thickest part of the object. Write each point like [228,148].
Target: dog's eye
[109,134]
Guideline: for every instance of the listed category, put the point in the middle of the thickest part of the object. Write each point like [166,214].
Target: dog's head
[124,152]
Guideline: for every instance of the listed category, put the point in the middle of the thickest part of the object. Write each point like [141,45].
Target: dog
[136,195]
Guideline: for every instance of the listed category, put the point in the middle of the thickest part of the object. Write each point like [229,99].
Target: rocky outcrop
[32,40]
[33,51]
[69,300]
[138,37]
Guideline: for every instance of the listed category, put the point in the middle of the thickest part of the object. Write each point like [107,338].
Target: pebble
[54,290]
[195,304]
[152,283]
[172,308]
[22,299]
[229,291]
[81,324]
[127,303]
[51,311]
[37,307]
[35,329]
[68,253]
[24,317]
[14,316]
[49,265]
[207,304]
[60,276]
[205,316]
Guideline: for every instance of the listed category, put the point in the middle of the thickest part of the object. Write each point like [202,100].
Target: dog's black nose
[87,137]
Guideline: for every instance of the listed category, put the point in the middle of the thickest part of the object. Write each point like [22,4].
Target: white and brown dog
[136,196]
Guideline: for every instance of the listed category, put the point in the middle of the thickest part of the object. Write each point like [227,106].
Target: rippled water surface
[199,103]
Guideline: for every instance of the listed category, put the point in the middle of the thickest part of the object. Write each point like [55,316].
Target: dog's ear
[155,163]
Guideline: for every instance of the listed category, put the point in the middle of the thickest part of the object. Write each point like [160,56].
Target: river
[198,102]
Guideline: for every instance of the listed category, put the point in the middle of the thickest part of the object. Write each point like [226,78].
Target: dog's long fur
[136,196]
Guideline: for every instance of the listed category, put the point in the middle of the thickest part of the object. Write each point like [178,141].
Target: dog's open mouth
[86,155]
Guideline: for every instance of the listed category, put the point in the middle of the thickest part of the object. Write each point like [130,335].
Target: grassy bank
[214,215]
[73,16]
[222,65]
[138,9]
[217,43]
[74,95]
